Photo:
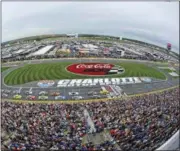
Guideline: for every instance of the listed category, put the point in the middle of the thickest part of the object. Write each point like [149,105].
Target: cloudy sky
[153,22]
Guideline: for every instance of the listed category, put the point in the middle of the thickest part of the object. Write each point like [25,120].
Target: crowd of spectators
[138,123]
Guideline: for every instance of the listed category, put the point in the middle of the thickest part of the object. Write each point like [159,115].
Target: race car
[73,93]
[4,95]
[17,96]
[16,92]
[92,93]
[43,93]
[60,97]
[109,97]
[54,93]
[31,97]
[28,92]
[42,97]
[77,97]
[104,92]
[96,97]
[112,94]
[7,91]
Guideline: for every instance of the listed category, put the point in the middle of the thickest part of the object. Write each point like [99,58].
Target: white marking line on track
[125,94]
[20,89]
[30,89]
[103,88]
[113,87]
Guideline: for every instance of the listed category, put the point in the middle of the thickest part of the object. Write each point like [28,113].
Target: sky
[153,22]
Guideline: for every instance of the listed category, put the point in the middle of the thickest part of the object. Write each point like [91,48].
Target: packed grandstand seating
[142,122]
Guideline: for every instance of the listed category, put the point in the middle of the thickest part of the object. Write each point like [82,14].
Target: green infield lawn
[57,71]
[4,68]
[169,70]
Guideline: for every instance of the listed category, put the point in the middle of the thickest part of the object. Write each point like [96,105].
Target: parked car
[73,93]
[60,97]
[17,96]
[42,97]
[31,97]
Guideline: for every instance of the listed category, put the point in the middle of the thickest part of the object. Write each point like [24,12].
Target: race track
[129,89]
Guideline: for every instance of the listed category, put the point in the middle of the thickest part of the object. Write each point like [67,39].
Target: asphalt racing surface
[129,89]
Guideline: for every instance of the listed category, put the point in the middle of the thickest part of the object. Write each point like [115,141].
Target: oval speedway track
[130,89]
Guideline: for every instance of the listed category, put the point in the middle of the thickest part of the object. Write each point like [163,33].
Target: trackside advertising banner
[101,81]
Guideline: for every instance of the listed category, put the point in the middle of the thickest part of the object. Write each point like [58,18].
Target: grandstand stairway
[96,138]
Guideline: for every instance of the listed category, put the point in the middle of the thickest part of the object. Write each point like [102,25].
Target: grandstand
[130,124]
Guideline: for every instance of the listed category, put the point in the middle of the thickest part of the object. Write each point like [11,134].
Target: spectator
[134,124]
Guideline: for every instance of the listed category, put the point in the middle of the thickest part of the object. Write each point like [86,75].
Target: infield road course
[129,89]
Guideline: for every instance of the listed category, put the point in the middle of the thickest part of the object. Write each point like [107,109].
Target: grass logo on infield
[45,83]
[95,69]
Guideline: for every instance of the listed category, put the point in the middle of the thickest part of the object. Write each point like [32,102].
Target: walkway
[89,121]
[98,138]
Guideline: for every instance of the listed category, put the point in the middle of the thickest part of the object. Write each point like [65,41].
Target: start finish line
[101,81]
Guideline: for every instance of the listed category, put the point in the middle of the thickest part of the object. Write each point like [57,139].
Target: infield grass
[4,68]
[169,70]
[57,71]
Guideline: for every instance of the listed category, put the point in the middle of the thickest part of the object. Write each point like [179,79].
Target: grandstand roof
[52,53]
[90,46]
[43,50]
[19,51]
[6,56]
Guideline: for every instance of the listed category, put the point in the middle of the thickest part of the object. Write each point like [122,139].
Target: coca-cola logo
[96,66]
[90,68]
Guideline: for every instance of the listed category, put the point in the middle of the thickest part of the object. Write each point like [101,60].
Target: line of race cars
[44,95]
